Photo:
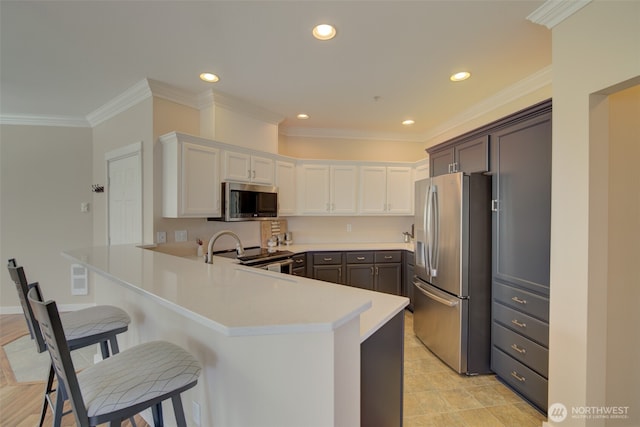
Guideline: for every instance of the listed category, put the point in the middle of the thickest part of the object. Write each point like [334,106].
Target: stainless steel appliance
[267,259]
[248,202]
[452,306]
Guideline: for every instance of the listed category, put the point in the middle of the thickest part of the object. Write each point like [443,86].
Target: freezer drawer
[439,321]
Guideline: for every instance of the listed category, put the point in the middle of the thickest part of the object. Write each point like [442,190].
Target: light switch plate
[161,237]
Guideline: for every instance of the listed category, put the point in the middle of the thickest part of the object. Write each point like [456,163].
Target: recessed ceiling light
[324,32]
[458,77]
[408,122]
[302,116]
[209,77]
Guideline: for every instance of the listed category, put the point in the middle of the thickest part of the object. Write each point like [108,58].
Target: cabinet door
[409,269]
[344,189]
[399,190]
[440,161]
[373,189]
[262,170]
[472,156]
[200,186]
[522,188]
[313,192]
[328,273]
[286,183]
[236,167]
[388,278]
[360,276]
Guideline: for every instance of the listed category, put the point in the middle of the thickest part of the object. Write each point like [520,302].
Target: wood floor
[20,403]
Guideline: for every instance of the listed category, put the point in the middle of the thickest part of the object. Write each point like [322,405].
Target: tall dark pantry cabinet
[516,152]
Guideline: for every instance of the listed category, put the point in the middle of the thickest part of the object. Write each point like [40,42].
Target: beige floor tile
[449,419]
[530,410]
[431,401]
[511,416]
[460,399]
[492,395]
[480,417]
[411,405]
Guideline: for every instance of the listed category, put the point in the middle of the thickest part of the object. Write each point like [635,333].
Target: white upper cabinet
[245,167]
[191,180]
[328,189]
[386,190]
[286,183]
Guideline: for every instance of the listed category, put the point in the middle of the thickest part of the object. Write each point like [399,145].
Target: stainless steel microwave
[248,202]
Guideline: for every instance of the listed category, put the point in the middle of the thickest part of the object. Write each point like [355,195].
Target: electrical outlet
[180,235]
[161,237]
[195,412]
[348,228]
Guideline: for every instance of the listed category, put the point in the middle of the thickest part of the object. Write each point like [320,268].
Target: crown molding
[209,98]
[348,134]
[132,96]
[525,86]
[553,12]
[42,120]
[173,94]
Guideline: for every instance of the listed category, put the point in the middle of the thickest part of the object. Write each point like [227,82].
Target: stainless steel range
[267,259]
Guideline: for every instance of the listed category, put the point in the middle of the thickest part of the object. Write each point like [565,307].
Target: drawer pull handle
[520,378]
[519,301]
[518,349]
[299,261]
[360,258]
[388,257]
[515,322]
[327,259]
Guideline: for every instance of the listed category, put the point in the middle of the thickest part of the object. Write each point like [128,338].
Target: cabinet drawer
[326,258]
[522,323]
[522,379]
[359,257]
[388,256]
[299,260]
[524,350]
[523,301]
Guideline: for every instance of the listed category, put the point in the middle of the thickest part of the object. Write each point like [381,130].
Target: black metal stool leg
[179,411]
[104,347]
[58,410]
[114,345]
[156,410]
[47,392]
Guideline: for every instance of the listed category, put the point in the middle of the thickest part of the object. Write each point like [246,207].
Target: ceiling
[390,60]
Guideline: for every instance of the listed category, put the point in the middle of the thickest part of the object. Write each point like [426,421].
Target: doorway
[124,195]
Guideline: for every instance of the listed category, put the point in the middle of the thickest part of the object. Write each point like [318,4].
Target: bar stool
[89,326]
[126,383]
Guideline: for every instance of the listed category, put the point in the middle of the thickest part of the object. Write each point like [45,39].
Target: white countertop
[236,300]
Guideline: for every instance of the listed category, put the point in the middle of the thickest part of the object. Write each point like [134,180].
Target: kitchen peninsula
[276,350]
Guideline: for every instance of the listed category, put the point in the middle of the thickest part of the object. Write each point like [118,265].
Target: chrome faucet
[212,241]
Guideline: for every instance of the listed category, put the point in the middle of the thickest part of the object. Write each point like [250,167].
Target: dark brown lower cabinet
[381,375]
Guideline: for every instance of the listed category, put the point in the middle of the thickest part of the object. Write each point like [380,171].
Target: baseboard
[17,309]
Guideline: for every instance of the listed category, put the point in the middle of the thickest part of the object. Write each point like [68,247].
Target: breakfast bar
[276,350]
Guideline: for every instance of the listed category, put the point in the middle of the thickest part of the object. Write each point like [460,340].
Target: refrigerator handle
[435,297]
[434,238]
[427,228]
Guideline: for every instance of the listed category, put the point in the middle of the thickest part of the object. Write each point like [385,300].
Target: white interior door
[124,169]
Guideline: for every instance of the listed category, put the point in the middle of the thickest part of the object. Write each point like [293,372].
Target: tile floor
[435,395]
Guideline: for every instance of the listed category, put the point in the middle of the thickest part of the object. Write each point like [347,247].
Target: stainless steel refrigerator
[452,295]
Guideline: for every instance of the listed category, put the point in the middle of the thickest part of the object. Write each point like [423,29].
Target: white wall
[45,174]
[593,52]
